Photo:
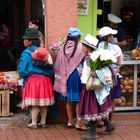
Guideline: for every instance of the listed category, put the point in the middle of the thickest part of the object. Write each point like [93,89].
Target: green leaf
[105,46]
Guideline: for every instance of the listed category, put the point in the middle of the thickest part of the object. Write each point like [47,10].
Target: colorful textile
[74,87]
[26,67]
[64,66]
[38,91]
[116,91]
[89,108]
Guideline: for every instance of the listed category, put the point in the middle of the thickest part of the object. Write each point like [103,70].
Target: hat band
[87,43]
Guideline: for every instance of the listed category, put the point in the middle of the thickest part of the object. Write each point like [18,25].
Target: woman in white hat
[89,107]
[120,37]
[105,37]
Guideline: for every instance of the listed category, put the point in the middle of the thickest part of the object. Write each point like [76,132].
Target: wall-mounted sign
[83,7]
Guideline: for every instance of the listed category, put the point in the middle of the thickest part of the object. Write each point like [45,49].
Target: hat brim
[88,44]
[26,37]
[114,22]
[75,35]
[114,32]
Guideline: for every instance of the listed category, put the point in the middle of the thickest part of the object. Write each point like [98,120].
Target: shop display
[127,86]
[8,80]
[8,84]
[135,53]
[130,82]
[132,55]
[128,14]
[128,17]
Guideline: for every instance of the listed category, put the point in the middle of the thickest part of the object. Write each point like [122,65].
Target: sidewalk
[14,128]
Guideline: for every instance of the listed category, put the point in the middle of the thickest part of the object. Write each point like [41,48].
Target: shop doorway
[128,11]
[14,17]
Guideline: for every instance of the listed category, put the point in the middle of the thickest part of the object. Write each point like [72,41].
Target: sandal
[32,126]
[70,125]
[81,127]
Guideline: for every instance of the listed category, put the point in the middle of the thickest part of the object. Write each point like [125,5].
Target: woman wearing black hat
[38,92]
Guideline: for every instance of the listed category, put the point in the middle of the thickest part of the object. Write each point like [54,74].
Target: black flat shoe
[42,125]
[110,129]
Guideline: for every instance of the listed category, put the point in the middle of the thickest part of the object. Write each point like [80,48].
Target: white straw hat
[90,41]
[104,31]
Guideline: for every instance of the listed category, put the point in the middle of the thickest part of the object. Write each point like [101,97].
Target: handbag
[93,83]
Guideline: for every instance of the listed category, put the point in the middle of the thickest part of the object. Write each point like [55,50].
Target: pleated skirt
[74,87]
[89,108]
[38,91]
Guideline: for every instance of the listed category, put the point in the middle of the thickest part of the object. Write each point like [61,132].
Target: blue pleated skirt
[74,87]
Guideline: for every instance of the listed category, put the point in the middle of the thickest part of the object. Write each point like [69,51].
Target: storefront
[57,18]
[90,18]
[128,10]
[14,17]
[93,18]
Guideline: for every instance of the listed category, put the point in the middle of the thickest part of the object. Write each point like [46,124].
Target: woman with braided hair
[67,68]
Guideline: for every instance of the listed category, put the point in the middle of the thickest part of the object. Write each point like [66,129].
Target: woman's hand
[93,74]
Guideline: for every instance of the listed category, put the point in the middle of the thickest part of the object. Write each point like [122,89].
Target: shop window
[106,7]
[37,11]
[128,17]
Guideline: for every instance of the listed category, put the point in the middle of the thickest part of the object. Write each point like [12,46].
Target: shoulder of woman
[41,35]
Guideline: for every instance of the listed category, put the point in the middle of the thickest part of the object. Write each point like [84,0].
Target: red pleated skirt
[38,91]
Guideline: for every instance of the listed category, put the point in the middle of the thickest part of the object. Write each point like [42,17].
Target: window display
[130,85]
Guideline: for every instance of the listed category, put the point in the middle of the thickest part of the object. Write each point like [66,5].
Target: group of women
[70,72]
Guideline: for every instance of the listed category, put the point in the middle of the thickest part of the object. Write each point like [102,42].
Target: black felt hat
[31,33]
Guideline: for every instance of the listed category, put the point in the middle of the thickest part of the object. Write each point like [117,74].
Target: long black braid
[76,40]
[105,39]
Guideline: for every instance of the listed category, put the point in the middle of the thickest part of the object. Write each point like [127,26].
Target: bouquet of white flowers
[99,60]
